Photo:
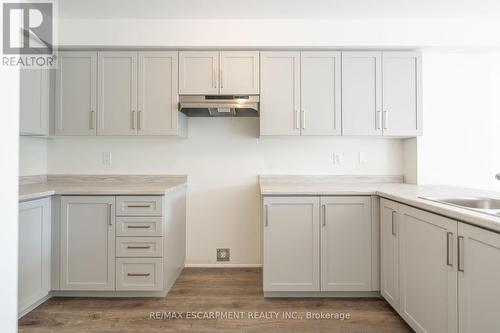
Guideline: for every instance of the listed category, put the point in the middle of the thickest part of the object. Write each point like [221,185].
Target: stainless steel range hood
[219,105]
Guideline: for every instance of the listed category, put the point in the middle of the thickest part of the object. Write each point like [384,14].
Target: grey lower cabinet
[291,244]
[34,253]
[317,244]
[389,252]
[110,243]
[346,240]
[87,255]
[428,275]
[440,275]
[478,276]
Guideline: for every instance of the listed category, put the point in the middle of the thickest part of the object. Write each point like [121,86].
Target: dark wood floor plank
[207,290]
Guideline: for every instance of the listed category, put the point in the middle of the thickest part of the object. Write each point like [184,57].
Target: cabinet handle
[138,206]
[393,223]
[138,274]
[386,119]
[449,249]
[324,215]
[139,119]
[138,247]
[460,253]
[303,119]
[92,119]
[266,216]
[221,79]
[138,226]
[297,119]
[110,222]
[378,120]
[133,119]
[214,79]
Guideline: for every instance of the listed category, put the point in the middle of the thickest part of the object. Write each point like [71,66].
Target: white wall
[461,141]
[347,33]
[9,131]
[280,23]
[410,159]
[32,156]
[223,158]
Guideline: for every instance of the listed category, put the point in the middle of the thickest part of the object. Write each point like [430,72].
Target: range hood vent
[219,105]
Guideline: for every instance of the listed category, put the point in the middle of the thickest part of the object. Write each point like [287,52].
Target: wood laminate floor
[208,292]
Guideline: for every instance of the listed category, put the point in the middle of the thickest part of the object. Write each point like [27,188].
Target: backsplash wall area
[223,158]
[33,156]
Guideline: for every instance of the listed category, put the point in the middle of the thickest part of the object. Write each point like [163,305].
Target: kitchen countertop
[39,187]
[388,188]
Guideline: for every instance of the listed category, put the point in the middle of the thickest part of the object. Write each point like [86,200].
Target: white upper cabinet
[402,102]
[346,252]
[428,277]
[199,72]
[117,93]
[76,88]
[214,72]
[381,93]
[291,244]
[34,252]
[34,101]
[478,276]
[280,93]
[362,93]
[157,112]
[87,243]
[136,93]
[389,252]
[320,93]
[239,72]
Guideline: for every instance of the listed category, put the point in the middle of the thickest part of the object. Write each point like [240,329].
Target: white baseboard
[223,265]
[33,306]
[335,294]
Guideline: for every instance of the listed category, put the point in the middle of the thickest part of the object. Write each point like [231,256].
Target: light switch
[363,157]
[106,158]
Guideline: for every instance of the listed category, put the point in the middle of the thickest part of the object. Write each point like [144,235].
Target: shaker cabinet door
[117,93]
[157,98]
[402,89]
[76,89]
[280,93]
[291,244]
[87,257]
[362,93]
[198,72]
[320,93]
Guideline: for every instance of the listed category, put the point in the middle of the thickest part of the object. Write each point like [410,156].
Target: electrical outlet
[363,157]
[106,158]
[337,159]
[223,255]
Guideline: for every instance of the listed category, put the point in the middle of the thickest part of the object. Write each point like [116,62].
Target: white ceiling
[279,9]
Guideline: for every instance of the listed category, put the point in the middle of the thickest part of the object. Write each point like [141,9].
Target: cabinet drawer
[139,247]
[139,226]
[139,274]
[139,205]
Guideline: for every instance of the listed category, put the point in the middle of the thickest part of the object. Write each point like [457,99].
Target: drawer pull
[139,206]
[138,226]
[138,247]
[138,274]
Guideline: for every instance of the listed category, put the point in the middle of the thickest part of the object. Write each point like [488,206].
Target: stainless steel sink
[484,205]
